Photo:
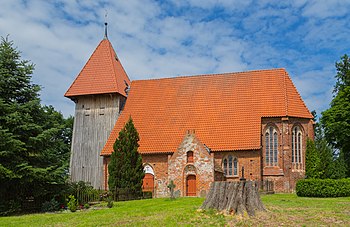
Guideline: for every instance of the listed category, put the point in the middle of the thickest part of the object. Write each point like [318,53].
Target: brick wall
[249,159]
[159,163]
[285,175]
[175,167]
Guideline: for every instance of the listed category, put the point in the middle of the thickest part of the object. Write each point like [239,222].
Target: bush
[72,204]
[109,202]
[86,206]
[50,206]
[9,207]
[323,188]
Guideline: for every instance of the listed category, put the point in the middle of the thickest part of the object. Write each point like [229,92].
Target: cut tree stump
[234,197]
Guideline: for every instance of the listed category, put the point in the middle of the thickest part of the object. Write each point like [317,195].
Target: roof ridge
[213,74]
[120,63]
[302,101]
[111,50]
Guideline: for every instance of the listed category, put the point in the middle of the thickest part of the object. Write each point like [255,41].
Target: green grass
[283,209]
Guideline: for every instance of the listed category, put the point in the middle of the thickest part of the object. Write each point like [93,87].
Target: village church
[193,129]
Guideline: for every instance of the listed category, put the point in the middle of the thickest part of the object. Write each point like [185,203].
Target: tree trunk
[234,197]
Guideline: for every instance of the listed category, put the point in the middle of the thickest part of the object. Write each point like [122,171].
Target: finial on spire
[106,37]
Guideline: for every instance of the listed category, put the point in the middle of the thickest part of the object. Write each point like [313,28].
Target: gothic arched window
[297,145]
[271,147]
[230,166]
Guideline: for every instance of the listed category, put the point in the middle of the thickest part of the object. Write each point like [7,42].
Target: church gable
[191,167]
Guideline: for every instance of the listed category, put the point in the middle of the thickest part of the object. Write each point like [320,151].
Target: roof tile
[225,110]
[103,73]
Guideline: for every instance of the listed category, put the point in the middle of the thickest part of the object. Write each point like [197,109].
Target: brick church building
[193,129]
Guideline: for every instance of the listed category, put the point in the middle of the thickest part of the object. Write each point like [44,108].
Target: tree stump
[234,197]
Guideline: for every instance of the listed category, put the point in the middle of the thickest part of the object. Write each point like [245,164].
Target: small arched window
[230,166]
[297,145]
[190,157]
[271,147]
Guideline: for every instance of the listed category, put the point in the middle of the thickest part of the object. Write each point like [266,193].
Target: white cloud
[184,37]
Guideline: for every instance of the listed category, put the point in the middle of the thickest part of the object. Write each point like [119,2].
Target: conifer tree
[34,139]
[125,168]
[312,163]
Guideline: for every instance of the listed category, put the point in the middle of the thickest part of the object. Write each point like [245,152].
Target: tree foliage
[34,139]
[125,167]
[312,162]
[323,161]
[336,119]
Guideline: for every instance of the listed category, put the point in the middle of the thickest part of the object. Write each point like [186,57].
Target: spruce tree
[312,163]
[125,167]
[34,139]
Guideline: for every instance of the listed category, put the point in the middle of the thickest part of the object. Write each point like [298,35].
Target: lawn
[283,209]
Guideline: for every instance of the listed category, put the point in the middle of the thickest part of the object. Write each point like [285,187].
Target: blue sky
[156,39]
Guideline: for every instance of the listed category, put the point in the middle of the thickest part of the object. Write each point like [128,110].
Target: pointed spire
[106,37]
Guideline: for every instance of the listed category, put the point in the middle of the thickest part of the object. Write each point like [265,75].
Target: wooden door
[148,183]
[191,185]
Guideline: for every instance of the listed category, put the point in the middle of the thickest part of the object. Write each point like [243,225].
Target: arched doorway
[148,183]
[148,179]
[191,187]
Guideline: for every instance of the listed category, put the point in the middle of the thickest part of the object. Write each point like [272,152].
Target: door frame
[195,184]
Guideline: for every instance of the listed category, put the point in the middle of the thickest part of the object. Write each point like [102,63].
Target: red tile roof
[103,73]
[225,110]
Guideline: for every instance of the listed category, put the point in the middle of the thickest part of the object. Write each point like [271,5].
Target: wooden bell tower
[99,93]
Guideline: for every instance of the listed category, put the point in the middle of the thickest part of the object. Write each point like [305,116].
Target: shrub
[109,202]
[9,207]
[72,204]
[323,188]
[86,206]
[147,195]
[50,206]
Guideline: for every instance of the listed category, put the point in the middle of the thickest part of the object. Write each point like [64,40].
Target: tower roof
[102,74]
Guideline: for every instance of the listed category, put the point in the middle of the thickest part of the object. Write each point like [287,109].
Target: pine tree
[125,167]
[34,148]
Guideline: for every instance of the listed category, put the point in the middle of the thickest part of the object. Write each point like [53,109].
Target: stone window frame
[297,146]
[230,165]
[271,145]
[190,159]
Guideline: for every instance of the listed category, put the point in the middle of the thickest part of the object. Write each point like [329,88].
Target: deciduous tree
[336,120]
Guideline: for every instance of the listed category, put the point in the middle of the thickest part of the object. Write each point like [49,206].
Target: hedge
[323,188]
